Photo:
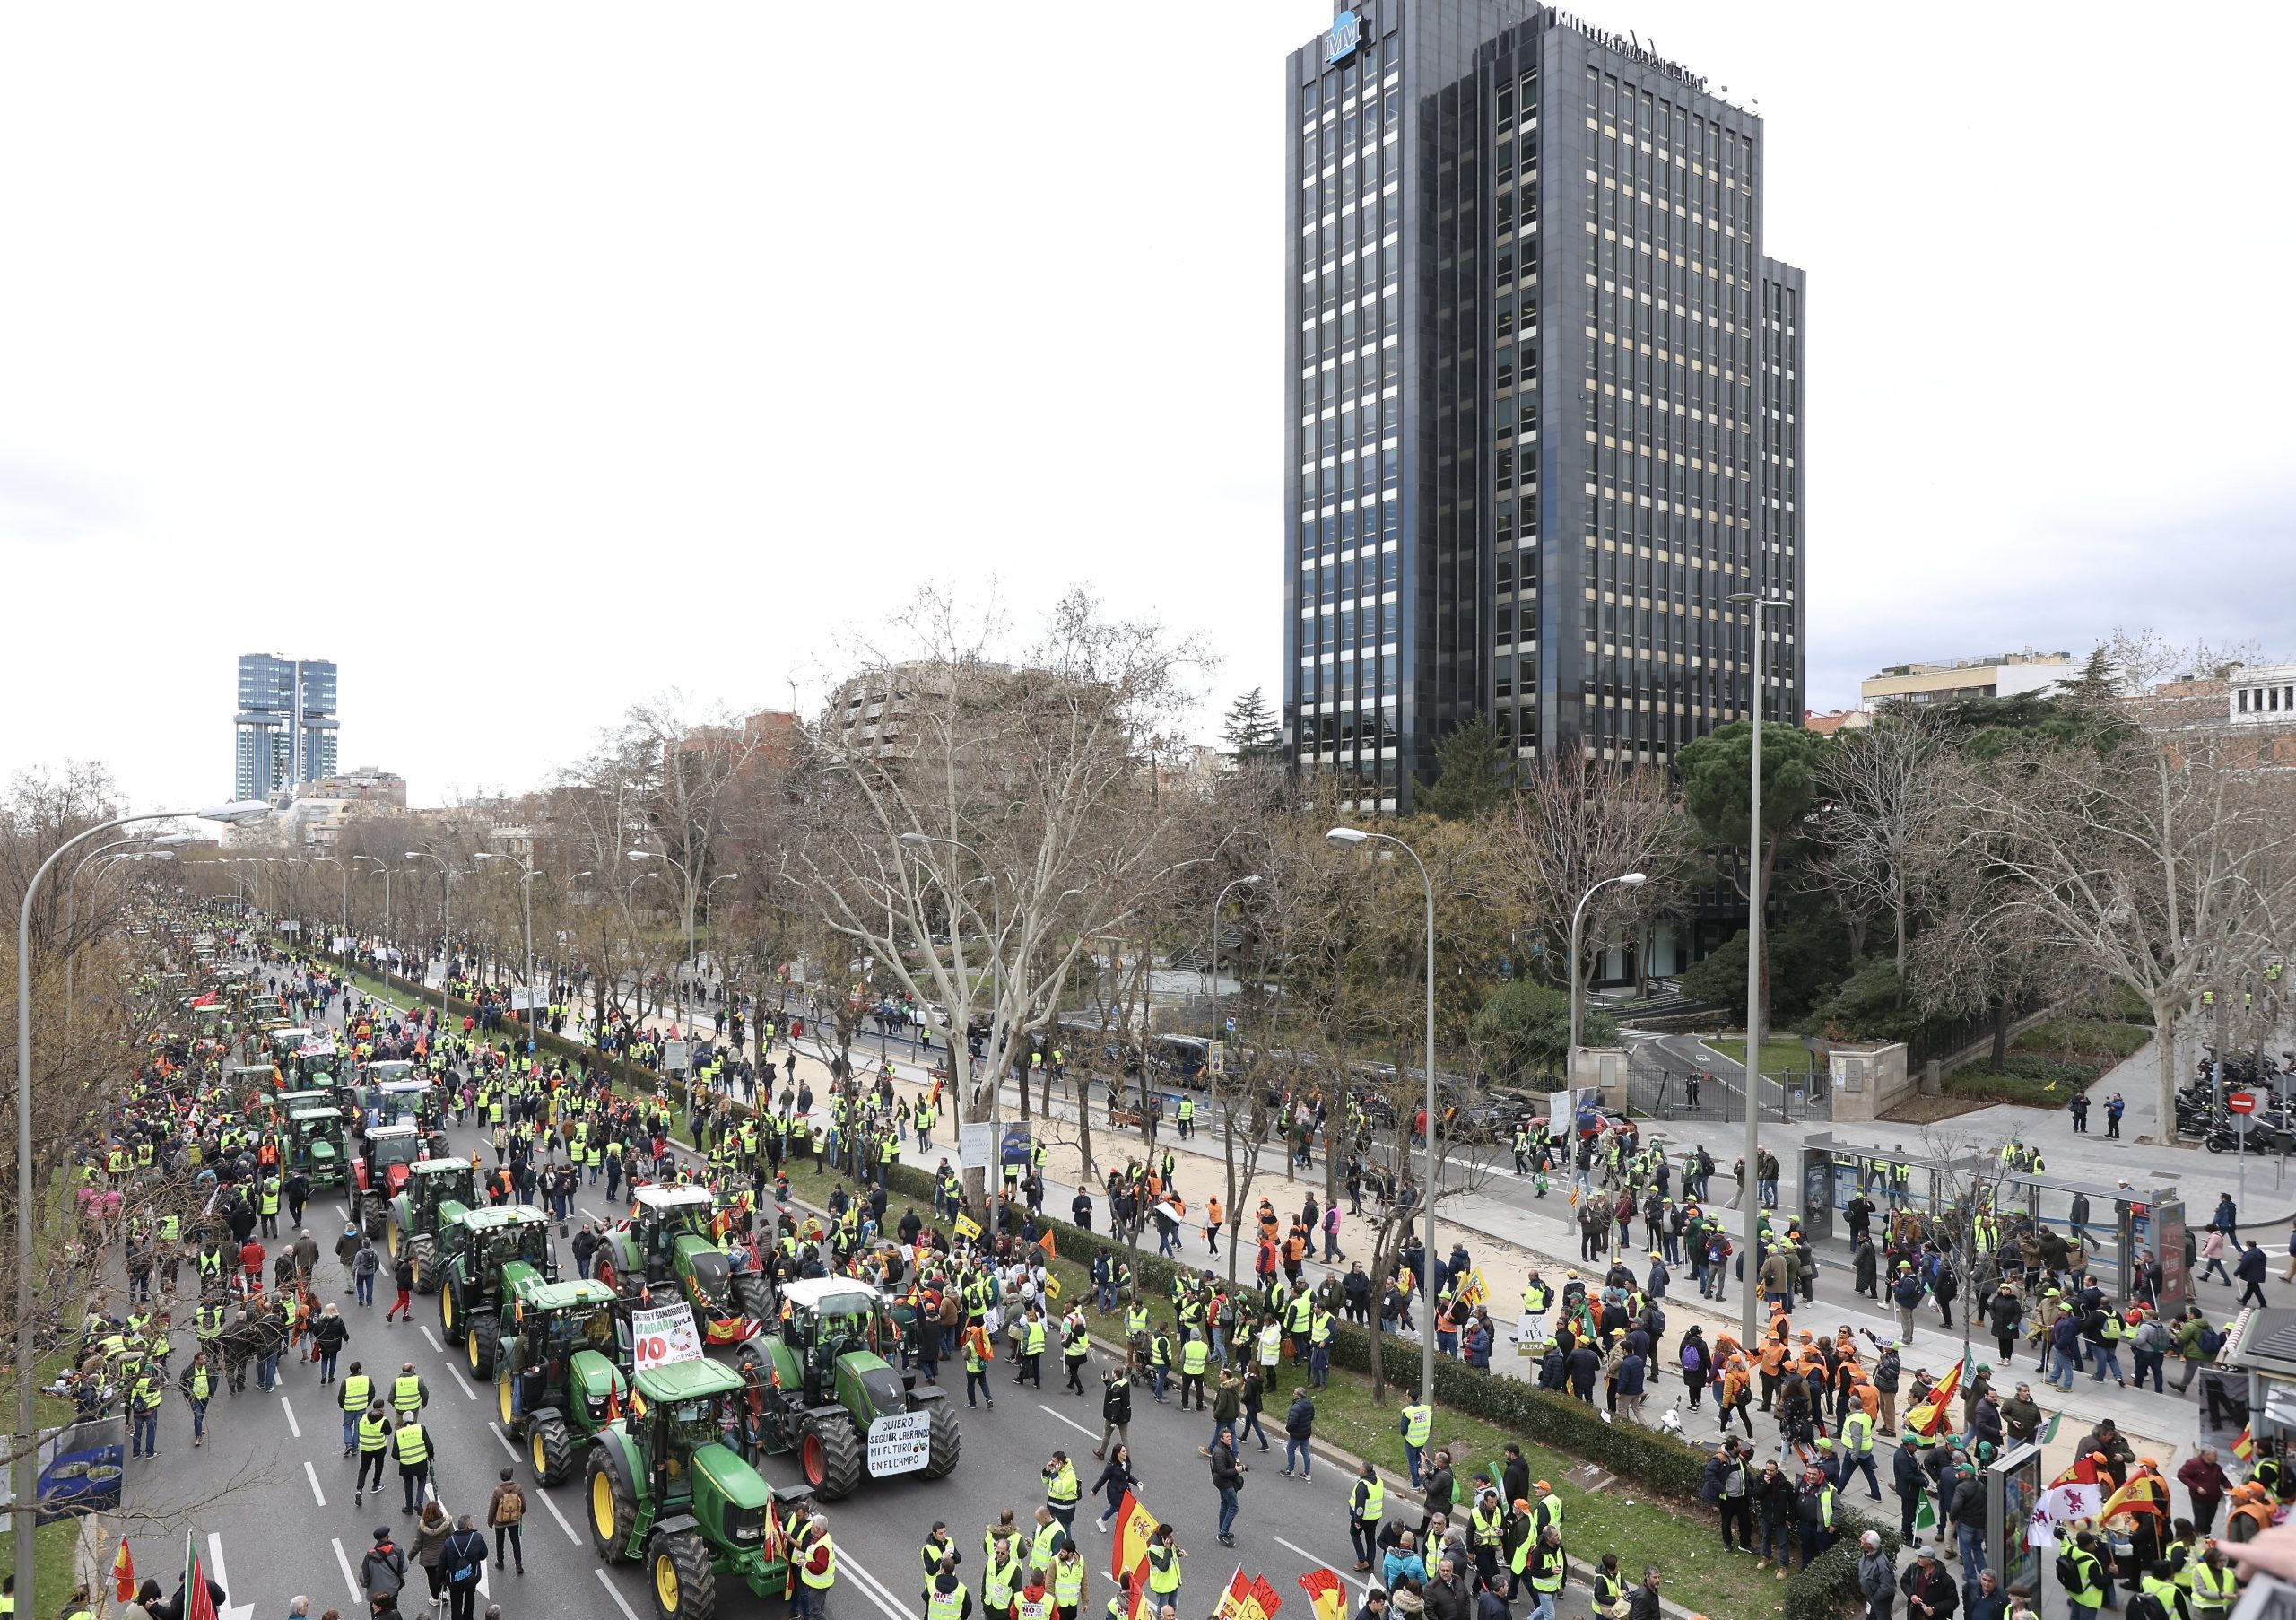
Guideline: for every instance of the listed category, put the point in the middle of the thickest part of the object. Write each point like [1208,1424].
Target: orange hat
[1541,1484]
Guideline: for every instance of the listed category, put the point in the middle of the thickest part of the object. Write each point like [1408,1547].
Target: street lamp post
[383,866]
[1351,838]
[446,927]
[1251,881]
[1749,1289]
[526,885]
[26,1440]
[673,860]
[1631,880]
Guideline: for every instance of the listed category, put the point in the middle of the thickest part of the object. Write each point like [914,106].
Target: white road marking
[312,1475]
[293,1427]
[496,1429]
[872,1588]
[343,1560]
[1314,1559]
[344,1211]
[562,1525]
[433,1338]
[468,1392]
[607,1581]
[215,1561]
[1071,1422]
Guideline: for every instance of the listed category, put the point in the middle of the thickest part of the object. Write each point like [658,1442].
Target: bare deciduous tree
[1880,821]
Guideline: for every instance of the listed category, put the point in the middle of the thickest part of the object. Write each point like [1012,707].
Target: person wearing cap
[1928,1589]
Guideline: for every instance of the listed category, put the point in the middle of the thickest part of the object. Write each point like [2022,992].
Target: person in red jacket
[2204,1479]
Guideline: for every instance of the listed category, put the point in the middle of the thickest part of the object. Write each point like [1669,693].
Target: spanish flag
[2244,1445]
[1326,1596]
[1128,1549]
[123,1573]
[1935,1414]
[2144,1493]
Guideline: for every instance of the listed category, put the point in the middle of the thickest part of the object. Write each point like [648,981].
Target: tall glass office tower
[284,732]
[1545,397]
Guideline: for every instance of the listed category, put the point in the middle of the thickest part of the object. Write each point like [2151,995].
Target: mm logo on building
[1346,34]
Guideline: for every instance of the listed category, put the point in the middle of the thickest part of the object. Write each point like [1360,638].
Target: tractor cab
[659,1216]
[386,1153]
[312,1145]
[827,1318]
[487,1242]
[401,1103]
[250,1083]
[436,1190]
[564,1349]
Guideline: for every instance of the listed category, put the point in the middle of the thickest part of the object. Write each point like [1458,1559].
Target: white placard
[662,1334]
[901,1444]
[976,1146]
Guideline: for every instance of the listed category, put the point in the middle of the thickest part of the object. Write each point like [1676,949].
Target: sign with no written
[663,1333]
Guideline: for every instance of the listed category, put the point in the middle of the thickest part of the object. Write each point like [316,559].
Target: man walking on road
[506,1512]
[412,1447]
[373,1436]
[1228,1480]
[464,1558]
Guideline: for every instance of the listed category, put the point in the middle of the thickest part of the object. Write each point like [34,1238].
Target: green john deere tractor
[315,1147]
[561,1369]
[820,1386]
[486,1255]
[434,1195]
[663,1487]
[671,1238]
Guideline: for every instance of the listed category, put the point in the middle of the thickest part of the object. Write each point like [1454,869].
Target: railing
[1664,1090]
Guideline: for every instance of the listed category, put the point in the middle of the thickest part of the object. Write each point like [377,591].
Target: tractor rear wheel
[425,1251]
[828,1453]
[479,1345]
[614,1503]
[447,1326]
[947,1441]
[685,1588]
[375,1219]
[550,1450]
[751,1296]
[390,1242]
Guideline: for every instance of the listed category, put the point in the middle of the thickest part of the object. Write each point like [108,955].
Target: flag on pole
[123,1573]
[2073,1495]
[2244,1445]
[1235,1598]
[198,1602]
[1924,1517]
[1326,1596]
[2048,1432]
[1129,1548]
[2144,1493]
[1935,1414]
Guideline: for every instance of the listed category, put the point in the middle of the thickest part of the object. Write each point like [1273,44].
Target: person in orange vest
[1212,1212]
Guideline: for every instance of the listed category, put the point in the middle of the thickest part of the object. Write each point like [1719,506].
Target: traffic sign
[2242,1124]
[2242,1103]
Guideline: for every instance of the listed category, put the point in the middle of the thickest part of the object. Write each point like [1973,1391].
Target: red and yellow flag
[1935,1414]
[123,1573]
[2144,1493]
[2244,1445]
[1129,1548]
[1326,1594]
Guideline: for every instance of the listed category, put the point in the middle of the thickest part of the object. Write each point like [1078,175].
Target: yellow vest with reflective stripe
[1418,1420]
[1068,1582]
[412,1445]
[406,1391]
[1375,1501]
[827,1577]
[356,1390]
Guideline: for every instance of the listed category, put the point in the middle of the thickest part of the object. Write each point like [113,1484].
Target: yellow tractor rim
[502,1397]
[666,1582]
[447,1311]
[470,1349]
[602,1505]
[390,1239]
[538,1454]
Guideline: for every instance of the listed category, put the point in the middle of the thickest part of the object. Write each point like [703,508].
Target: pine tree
[1250,730]
[1473,772]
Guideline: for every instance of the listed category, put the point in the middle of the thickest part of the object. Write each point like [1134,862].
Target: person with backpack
[506,1512]
[464,1559]
[383,1571]
[2148,1348]
[2197,1341]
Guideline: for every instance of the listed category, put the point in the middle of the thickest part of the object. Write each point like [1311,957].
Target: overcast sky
[529,361]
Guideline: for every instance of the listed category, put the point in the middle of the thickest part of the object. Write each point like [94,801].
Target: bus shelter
[2109,1222]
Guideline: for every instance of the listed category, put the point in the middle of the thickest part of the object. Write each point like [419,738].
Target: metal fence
[1664,1090]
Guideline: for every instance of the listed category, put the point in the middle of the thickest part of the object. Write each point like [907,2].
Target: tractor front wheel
[614,1503]
[550,1450]
[447,1326]
[479,1345]
[828,1453]
[685,1588]
[947,1441]
[425,1251]
[752,1296]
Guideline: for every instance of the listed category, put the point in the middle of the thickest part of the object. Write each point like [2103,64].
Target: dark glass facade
[1545,397]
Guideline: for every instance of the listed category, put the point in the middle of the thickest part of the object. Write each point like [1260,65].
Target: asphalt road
[269,1495]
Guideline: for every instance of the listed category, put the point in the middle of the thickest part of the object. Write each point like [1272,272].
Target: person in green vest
[197,1383]
[1417,1421]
